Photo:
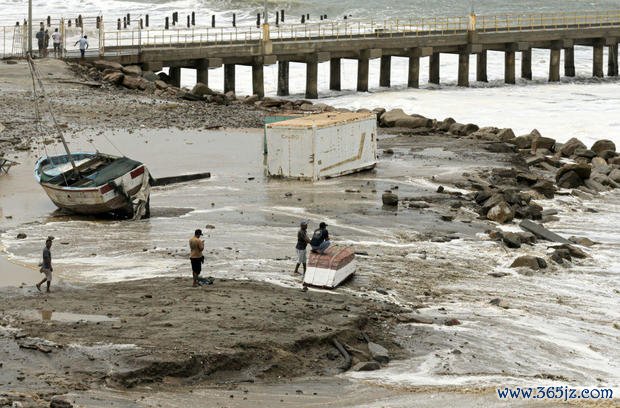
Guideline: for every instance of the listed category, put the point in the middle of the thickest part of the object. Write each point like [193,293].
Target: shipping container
[323,145]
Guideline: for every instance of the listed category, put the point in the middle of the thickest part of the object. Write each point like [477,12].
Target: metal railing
[134,40]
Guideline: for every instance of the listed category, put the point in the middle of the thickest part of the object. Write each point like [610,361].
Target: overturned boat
[95,183]
[330,269]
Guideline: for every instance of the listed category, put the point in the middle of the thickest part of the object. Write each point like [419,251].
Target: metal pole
[266,15]
[30,27]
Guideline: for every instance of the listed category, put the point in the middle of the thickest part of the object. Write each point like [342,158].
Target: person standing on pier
[302,243]
[41,42]
[46,42]
[196,246]
[83,45]
[46,266]
[56,39]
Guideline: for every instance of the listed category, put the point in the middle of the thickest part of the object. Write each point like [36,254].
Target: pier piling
[362,71]
[597,59]
[312,78]
[433,68]
[612,60]
[554,65]
[229,77]
[413,74]
[386,67]
[283,78]
[258,84]
[569,61]
[463,76]
[509,67]
[526,64]
[334,74]
[481,66]
[175,76]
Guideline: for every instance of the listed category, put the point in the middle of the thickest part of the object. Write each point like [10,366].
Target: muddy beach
[434,284]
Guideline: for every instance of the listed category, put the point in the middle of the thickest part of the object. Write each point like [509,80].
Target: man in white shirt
[56,40]
[83,45]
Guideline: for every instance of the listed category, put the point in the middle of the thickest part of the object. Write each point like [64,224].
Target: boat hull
[328,278]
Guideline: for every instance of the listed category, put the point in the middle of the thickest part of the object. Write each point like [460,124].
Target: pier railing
[103,39]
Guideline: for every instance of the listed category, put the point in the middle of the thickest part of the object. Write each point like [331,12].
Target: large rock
[459,129]
[161,84]
[132,82]
[545,143]
[389,199]
[413,122]
[150,76]
[378,352]
[445,124]
[615,175]
[570,180]
[568,148]
[389,118]
[544,187]
[598,162]
[602,145]
[501,213]
[366,366]
[511,240]
[505,135]
[269,102]
[582,170]
[114,77]
[132,70]
[201,90]
[581,152]
[103,65]
[528,261]
[522,142]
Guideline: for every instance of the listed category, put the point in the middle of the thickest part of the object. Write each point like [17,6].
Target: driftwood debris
[164,181]
[542,232]
[345,354]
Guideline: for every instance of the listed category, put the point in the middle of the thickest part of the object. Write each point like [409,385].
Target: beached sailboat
[91,183]
[95,183]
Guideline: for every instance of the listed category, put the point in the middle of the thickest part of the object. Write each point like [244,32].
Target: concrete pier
[385,71]
[283,78]
[569,61]
[312,78]
[433,68]
[612,60]
[175,76]
[481,67]
[258,82]
[526,64]
[362,71]
[334,74]
[509,67]
[554,65]
[202,71]
[229,77]
[413,76]
[597,59]
[463,76]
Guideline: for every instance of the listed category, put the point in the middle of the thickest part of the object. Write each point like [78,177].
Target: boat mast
[64,143]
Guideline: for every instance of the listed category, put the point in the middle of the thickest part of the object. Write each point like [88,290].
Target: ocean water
[560,323]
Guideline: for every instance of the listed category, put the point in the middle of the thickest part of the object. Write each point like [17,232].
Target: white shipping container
[323,145]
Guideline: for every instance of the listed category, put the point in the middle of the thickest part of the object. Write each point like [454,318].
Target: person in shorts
[302,243]
[46,266]
[196,246]
[320,239]
[56,38]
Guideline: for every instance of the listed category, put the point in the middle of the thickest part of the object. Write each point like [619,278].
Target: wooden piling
[463,75]
[282,15]
[283,78]
[597,59]
[229,77]
[569,61]
[193,18]
[49,21]
[258,20]
[303,19]
[481,66]
[526,64]
[213,21]
[413,75]
[433,68]
[509,67]
[334,74]
[167,23]
[554,65]
[385,71]
[128,19]
[234,21]
[612,60]
[146,20]
[258,82]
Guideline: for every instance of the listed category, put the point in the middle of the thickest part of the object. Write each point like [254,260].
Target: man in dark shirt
[320,239]
[302,243]
[46,266]
[41,42]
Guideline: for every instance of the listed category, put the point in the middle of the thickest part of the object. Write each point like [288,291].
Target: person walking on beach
[46,266]
[320,239]
[196,246]
[41,42]
[56,40]
[83,45]
[302,243]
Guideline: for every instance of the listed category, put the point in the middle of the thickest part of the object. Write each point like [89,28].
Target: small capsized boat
[95,183]
[330,269]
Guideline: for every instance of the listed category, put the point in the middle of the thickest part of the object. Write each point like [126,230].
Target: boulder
[150,76]
[598,162]
[528,261]
[201,90]
[161,84]
[505,135]
[511,240]
[568,148]
[413,122]
[544,187]
[230,96]
[501,213]
[545,143]
[522,142]
[615,175]
[459,129]
[583,241]
[378,352]
[614,161]
[103,65]
[570,180]
[133,70]
[269,102]
[573,250]
[21,235]
[114,77]
[607,154]
[59,402]
[249,100]
[595,185]
[306,107]
[527,238]
[560,255]
[602,145]
[389,118]
[445,124]
[131,82]
[582,170]
[366,366]
[581,152]
[389,199]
